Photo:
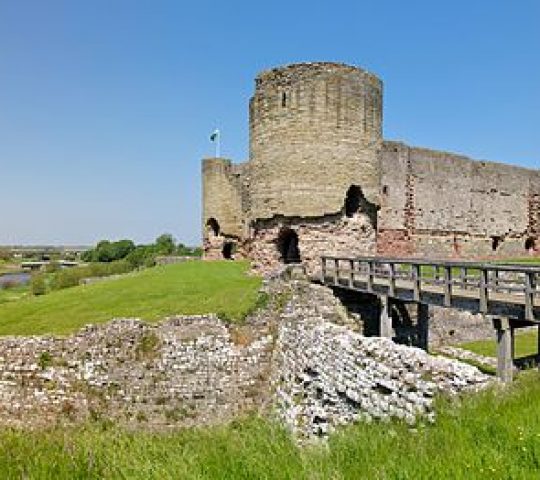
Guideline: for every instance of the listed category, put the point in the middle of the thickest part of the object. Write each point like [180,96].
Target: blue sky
[106,106]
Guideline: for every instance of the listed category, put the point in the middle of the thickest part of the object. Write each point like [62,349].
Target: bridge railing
[482,280]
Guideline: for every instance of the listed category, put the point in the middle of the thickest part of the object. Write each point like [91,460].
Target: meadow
[493,435]
[192,287]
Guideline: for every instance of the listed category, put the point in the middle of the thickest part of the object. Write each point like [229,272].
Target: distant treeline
[109,258]
[138,255]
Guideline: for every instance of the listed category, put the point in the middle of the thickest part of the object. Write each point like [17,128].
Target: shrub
[143,255]
[38,285]
[44,360]
[66,278]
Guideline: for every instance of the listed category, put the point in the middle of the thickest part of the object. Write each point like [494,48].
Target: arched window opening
[495,242]
[352,200]
[213,226]
[287,244]
[530,244]
[228,250]
[284,99]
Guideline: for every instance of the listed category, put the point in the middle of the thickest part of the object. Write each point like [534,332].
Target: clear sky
[106,106]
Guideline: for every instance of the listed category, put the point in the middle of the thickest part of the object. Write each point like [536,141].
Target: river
[19,278]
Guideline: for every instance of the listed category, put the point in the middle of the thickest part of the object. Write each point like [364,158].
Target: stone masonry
[301,359]
[317,158]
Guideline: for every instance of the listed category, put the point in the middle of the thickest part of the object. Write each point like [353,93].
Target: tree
[107,251]
[165,244]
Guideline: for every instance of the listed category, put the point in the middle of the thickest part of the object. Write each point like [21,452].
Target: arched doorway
[495,242]
[530,245]
[353,200]
[356,203]
[213,226]
[287,244]
[228,250]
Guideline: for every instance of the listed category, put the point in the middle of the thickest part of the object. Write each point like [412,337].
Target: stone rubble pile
[328,375]
[467,356]
[301,357]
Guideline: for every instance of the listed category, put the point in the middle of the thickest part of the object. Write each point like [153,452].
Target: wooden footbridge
[508,294]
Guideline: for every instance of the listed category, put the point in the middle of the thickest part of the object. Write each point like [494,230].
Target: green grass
[13,294]
[526,343]
[525,260]
[495,435]
[188,288]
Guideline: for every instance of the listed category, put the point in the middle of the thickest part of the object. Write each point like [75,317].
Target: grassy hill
[188,288]
[495,435]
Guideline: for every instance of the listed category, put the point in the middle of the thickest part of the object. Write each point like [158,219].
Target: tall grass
[495,435]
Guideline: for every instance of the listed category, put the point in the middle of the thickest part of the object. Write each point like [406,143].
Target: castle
[321,179]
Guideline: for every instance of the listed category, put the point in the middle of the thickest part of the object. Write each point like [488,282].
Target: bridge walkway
[508,294]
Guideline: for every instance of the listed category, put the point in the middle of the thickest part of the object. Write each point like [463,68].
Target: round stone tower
[315,130]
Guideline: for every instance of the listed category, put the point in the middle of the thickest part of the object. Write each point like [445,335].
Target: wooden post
[529,295]
[538,347]
[370,276]
[385,318]
[505,340]
[323,269]
[392,280]
[351,273]
[463,276]
[447,286]
[422,325]
[416,282]
[336,267]
[483,290]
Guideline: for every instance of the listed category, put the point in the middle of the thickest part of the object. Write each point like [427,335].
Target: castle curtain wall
[442,204]
[315,134]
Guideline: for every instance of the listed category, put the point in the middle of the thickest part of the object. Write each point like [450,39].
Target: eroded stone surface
[328,375]
[301,357]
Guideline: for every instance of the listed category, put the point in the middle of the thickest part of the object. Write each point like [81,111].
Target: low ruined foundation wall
[301,358]
[184,371]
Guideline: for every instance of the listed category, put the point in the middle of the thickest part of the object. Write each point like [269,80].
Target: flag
[214,136]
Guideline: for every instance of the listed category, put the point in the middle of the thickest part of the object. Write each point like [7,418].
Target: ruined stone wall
[184,371]
[325,374]
[224,196]
[300,355]
[315,129]
[441,204]
[328,235]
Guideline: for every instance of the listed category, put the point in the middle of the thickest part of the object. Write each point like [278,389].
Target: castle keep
[321,179]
